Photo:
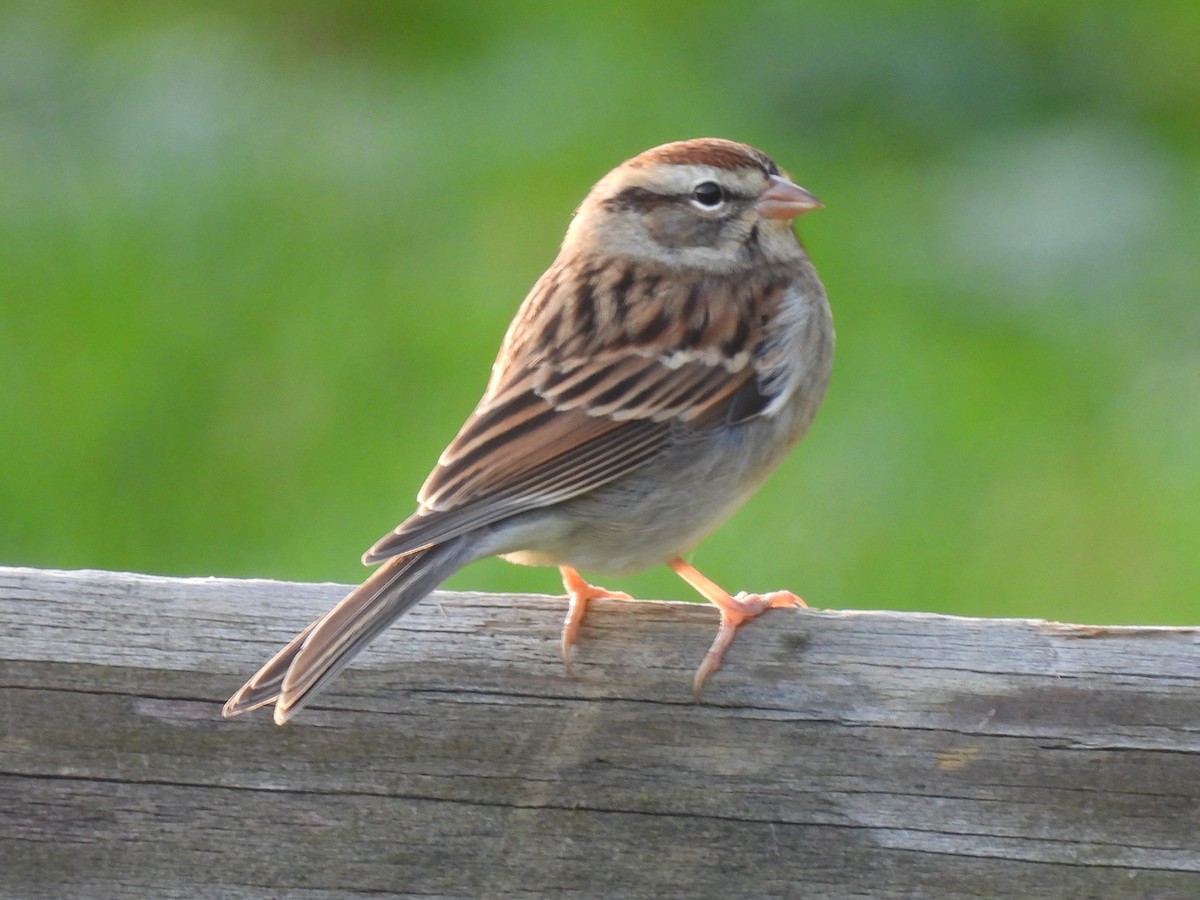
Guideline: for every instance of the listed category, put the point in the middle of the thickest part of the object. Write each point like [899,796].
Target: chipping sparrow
[663,365]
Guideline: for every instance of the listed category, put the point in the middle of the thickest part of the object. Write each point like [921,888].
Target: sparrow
[673,353]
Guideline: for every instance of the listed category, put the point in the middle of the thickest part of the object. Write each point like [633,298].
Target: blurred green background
[256,259]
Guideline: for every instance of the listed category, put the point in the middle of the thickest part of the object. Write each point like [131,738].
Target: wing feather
[564,417]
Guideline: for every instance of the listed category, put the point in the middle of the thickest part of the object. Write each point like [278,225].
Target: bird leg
[579,592]
[734,611]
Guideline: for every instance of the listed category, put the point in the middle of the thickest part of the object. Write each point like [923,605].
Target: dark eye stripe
[638,198]
[641,199]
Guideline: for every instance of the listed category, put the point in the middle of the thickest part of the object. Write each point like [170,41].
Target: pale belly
[660,511]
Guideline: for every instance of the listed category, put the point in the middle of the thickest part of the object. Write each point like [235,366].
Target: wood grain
[837,754]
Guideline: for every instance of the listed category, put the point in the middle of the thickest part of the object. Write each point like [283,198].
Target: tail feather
[297,672]
[265,685]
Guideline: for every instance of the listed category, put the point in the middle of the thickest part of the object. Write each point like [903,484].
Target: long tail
[296,673]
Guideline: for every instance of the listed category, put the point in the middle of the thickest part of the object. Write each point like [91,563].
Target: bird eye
[708,194]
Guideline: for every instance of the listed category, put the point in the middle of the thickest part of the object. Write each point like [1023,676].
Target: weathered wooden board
[837,753]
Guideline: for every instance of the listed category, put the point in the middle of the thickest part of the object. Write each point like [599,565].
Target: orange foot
[579,592]
[734,611]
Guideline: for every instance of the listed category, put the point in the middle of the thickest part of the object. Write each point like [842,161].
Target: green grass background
[256,259]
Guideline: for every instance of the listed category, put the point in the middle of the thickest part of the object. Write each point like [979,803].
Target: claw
[742,607]
[734,612]
[579,592]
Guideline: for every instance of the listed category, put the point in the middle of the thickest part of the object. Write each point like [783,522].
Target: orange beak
[784,200]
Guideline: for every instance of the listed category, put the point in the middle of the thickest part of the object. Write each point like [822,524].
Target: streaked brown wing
[565,420]
[522,450]
[567,412]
